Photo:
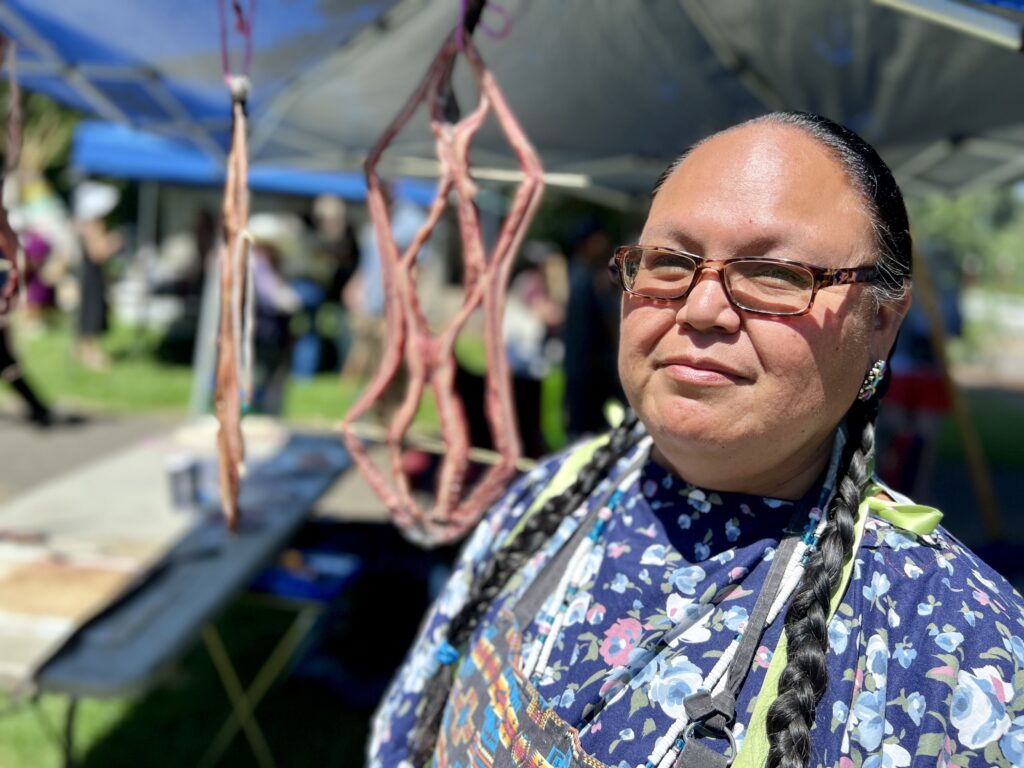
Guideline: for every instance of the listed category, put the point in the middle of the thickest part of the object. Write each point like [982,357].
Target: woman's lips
[702,373]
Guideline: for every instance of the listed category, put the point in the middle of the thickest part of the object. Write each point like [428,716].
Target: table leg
[246,701]
[69,732]
[241,708]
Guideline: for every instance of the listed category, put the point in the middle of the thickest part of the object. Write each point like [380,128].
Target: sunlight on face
[736,401]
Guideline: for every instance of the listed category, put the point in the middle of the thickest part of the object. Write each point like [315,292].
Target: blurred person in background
[40,294]
[336,252]
[45,214]
[93,202]
[276,238]
[591,330]
[10,371]
[315,274]
[534,314]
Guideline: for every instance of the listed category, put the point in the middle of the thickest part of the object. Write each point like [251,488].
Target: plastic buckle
[699,728]
[715,712]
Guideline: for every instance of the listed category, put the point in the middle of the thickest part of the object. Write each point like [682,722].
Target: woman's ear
[888,318]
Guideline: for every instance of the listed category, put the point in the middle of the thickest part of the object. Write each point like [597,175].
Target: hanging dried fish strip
[430,359]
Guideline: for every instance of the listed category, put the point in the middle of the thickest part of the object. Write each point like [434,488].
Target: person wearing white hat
[92,202]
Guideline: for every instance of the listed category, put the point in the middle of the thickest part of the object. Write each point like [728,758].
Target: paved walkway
[30,455]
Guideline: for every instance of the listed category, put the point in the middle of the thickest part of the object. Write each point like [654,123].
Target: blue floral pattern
[926,652]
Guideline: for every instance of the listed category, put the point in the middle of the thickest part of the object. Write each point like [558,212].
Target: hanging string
[471,15]
[249,328]
[243,26]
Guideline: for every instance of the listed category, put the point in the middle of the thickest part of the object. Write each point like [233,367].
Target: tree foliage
[980,232]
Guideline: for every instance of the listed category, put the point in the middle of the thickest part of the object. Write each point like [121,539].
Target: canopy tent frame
[79,77]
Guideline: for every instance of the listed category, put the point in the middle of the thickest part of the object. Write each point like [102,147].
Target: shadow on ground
[319,714]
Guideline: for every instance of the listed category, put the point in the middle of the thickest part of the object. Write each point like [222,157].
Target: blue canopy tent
[114,149]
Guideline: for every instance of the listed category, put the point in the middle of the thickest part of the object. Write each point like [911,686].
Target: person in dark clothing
[93,202]
[591,331]
[39,413]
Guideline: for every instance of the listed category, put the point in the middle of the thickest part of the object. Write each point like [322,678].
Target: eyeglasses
[757,284]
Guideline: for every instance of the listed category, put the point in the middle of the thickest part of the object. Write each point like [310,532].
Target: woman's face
[742,402]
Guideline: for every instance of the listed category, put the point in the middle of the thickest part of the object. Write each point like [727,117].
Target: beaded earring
[872,380]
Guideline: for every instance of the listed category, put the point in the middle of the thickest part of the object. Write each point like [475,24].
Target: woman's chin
[693,425]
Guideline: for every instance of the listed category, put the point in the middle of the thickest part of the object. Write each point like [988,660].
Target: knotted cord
[233,338]
[430,358]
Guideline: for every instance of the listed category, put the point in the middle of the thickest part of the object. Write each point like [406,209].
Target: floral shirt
[926,649]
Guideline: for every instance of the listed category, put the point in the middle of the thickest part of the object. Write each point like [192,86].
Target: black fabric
[11,372]
[92,315]
[758,620]
[696,755]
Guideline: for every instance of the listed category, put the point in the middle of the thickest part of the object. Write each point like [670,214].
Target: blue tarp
[117,150]
[158,65]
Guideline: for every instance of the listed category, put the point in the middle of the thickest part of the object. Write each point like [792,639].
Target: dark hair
[805,676]
[803,681]
[536,530]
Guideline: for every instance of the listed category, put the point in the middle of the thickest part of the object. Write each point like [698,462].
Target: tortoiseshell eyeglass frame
[822,277]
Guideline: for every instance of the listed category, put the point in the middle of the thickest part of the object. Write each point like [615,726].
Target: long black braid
[536,530]
[805,677]
[802,683]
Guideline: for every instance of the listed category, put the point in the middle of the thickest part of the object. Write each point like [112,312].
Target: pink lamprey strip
[234,265]
[430,359]
[227,396]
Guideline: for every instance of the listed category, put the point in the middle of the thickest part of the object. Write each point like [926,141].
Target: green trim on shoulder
[916,518]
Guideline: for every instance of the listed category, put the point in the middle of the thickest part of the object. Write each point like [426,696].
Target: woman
[723,574]
[93,202]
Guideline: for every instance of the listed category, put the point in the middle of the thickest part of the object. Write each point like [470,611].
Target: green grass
[135,381]
[304,725]
[138,382]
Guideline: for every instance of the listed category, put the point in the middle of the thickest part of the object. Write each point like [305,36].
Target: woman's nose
[707,308]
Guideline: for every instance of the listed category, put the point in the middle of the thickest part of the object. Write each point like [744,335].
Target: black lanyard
[713,715]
